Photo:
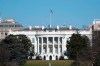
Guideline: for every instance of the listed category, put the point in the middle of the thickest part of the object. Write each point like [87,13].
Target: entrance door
[56,57]
[50,57]
[44,58]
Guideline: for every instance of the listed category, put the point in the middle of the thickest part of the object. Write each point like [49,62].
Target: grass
[46,63]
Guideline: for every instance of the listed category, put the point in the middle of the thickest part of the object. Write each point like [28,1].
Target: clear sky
[37,12]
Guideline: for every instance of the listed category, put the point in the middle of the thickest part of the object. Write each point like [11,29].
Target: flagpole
[50,18]
[0,18]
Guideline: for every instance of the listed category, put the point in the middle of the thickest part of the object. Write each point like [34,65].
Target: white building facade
[50,42]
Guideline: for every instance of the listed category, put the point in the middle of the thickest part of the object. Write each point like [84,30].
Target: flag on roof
[51,11]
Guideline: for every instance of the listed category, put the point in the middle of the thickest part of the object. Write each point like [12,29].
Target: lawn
[48,63]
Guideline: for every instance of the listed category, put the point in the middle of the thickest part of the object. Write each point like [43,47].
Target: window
[17,25]
[5,25]
[50,49]
[98,25]
[40,40]
[11,25]
[56,40]
[56,50]
[1,32]
[50,39]
[33,40]
[60,49]
[60,39]
[44,40]
[44,49]
[5,33]
[1,25]
[39,49]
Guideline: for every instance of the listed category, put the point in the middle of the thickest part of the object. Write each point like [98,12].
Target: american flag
[51,11]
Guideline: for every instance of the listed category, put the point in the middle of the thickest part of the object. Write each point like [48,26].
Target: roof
[6,24]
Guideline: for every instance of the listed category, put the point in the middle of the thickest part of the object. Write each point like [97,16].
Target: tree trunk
[77,59]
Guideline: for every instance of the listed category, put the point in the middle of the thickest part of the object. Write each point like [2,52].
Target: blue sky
[37,12]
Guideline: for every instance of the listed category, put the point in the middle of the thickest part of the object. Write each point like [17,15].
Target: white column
[53,46]
[42,46]
[38,45]
[35,45]
[62,44]
[47,46]
[58,45]
[65,43]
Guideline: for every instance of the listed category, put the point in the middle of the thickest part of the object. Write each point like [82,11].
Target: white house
[50,42]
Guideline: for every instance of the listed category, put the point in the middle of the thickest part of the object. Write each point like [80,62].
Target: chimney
[58,27]
[42,27]
[30,27]
[70,27]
